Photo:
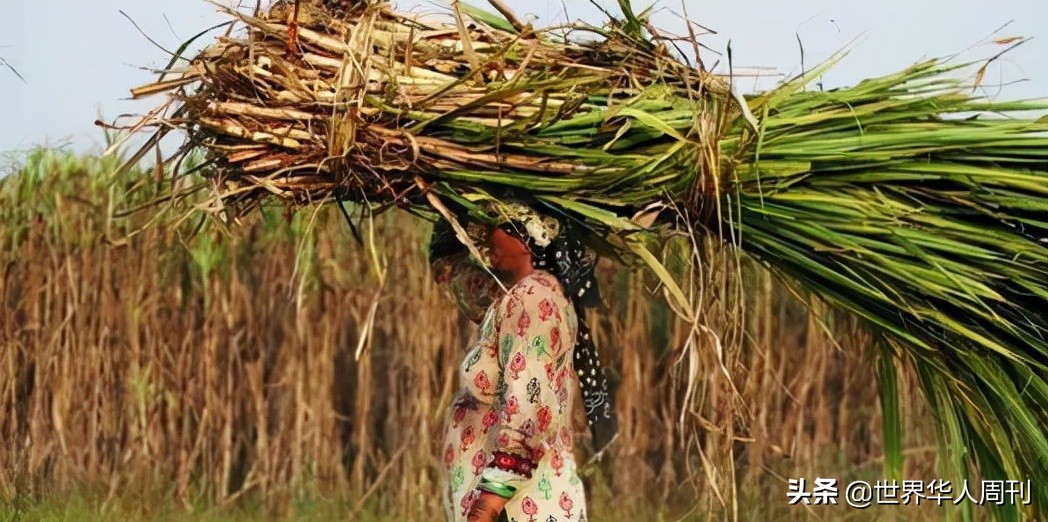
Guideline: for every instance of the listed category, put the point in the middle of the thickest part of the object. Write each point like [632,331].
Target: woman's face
[507,252]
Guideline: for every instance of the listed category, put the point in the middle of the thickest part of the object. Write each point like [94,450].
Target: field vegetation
[160,368]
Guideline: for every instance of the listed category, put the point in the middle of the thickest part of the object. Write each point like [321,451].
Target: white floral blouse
[511,423]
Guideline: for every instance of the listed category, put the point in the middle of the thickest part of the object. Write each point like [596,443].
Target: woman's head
[522,240]
[551,245]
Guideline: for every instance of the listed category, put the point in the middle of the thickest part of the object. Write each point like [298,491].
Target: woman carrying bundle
[509,447]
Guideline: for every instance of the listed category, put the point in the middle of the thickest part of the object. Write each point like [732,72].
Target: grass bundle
[919,208]
[370,105]
[905,200]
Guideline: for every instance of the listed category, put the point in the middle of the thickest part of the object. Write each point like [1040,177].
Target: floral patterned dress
[511,423]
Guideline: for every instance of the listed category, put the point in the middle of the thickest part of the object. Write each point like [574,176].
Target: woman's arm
[486,508]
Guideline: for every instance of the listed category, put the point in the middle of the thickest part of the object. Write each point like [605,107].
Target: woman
[509,447]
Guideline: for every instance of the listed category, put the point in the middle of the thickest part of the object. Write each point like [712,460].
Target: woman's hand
[486,508]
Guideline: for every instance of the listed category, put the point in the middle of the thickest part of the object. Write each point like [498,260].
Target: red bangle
[512,463]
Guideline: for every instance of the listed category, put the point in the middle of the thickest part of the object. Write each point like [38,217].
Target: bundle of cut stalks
[368,104]
[906,200]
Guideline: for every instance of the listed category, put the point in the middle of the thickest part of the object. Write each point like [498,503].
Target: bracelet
[512,463]
[497,488]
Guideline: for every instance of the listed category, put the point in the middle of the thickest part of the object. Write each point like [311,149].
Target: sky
[80,58]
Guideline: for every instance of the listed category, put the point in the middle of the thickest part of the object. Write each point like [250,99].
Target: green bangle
[497,488]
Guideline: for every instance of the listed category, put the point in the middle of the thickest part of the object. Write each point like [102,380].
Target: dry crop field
[281,370]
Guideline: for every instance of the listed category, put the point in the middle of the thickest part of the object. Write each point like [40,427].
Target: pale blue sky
[81,57]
